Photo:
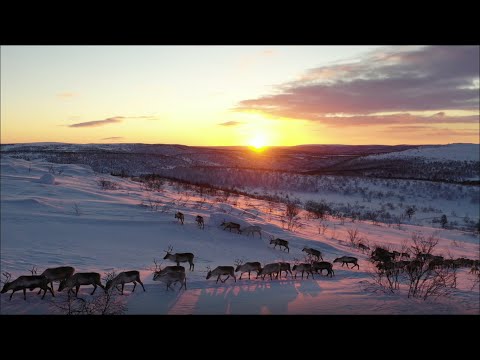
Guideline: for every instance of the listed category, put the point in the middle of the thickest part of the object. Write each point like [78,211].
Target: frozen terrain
[457,152]
[68,219]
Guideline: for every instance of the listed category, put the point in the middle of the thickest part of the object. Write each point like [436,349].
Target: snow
[47,179]
[77,223]
[458,152]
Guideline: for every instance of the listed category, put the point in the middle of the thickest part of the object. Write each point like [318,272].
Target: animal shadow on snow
[254,297]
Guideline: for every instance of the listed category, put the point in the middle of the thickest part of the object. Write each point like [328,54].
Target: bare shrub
[76,210]
[353,236]
[291,215]
[322,228]
[107,184]
[106,303]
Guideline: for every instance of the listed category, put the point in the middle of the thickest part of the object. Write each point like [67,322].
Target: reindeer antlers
[34,270]
[158,267]
[8,276]
[238,262]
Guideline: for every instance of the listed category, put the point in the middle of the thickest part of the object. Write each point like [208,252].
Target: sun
[258,142]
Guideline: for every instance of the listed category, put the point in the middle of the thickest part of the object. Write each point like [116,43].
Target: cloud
[231,123]
[112,120]
[400,118]
[97,123]
[66,95]
[113,138]
[431,131]
[391,80]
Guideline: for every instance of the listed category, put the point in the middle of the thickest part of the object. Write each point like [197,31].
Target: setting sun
[258,142]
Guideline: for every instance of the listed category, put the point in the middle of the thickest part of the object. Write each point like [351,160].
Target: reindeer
[221,270]
[284,266]
[347,260]
[200,223]
[252,230]
[25,282]
[158,271]
[303,268]
[78,279]
[323,265]
[179,257]
[180,216]
[280,243]
[313,252]
[230,226]
[123,278]
[57,274]
[269,269]
[363,247]
[247,267]
[172,277]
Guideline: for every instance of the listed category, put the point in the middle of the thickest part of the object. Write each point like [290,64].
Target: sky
[240,95]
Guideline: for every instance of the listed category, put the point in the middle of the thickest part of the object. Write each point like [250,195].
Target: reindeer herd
[171,275]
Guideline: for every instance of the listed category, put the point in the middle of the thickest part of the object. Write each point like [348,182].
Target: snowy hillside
[455,152]
[68,218]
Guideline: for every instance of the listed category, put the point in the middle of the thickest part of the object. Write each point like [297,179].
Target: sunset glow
[258,142]
[235,95]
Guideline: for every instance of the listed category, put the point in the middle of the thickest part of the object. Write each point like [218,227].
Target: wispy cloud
[400,118]
[113,138]
[231,123]
[390,80]
[112,120]
[66,95]
[96,123]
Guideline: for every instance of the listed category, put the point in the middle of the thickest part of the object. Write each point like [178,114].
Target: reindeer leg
[217,279]
[226,278]
[95,288]
[248,276]
[134,285]
[141,284]
[78,288]
[123,286]
[24,294]
[51,290]
[13,291]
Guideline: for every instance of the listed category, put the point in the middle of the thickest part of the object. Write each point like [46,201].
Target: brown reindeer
[179,257]
[78,279]
[221,270]
[180,217]
[200,223]
[57,274]
[123,278]
[25,282]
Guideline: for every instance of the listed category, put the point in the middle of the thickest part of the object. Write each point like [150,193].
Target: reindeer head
[238,263]
[62,285]
[6,282]
[169,252]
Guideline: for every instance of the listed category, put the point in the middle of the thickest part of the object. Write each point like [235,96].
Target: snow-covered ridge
[451,152]
[69,219]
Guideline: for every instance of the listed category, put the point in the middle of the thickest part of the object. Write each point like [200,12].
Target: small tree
[443,221]
[410,211]
[291,213]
